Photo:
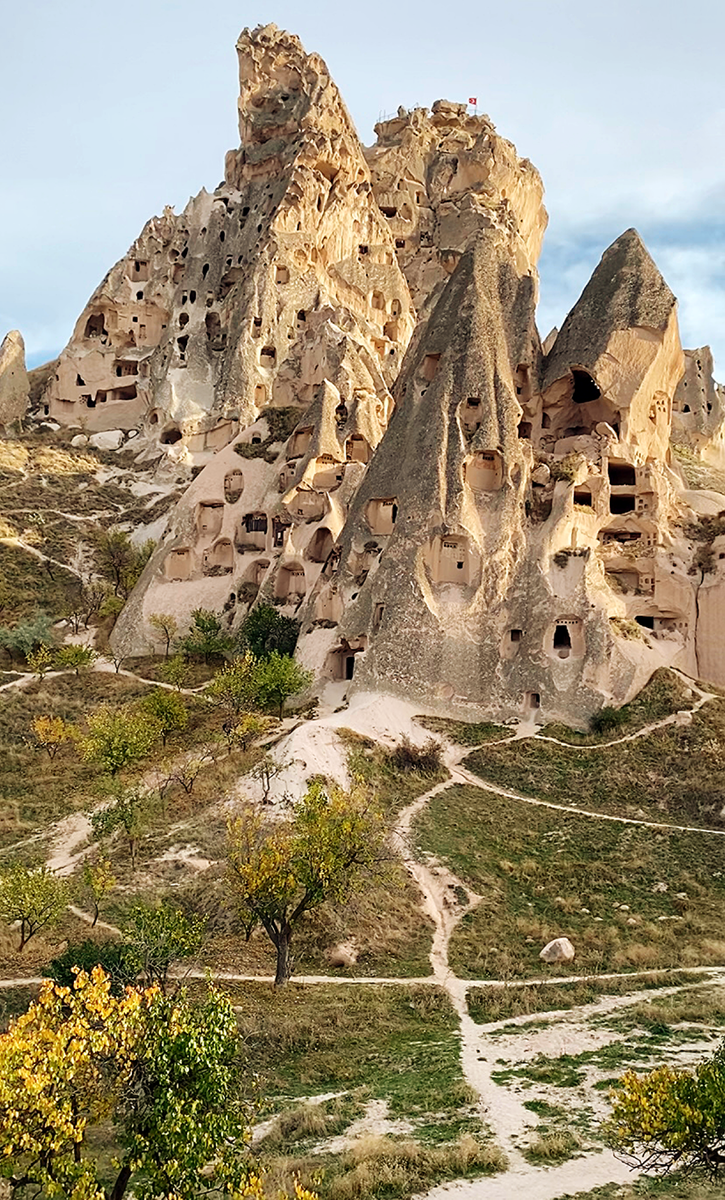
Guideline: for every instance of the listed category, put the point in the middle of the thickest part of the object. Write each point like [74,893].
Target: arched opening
[532,701]
[357,449]
[209,518]
[290,584]
[341,660]
[484,471]
[453,560]
[378,614]
[328,473]
[281,275]
[328,604]
[381,515]
[252,532]
[260,395]
[267,356]
[341,413]
[430,366]
[299,443]
[177,565]
[233,486]
[171,436]
[378,301]
[524,429]
[95,326]
[470,415]
[567,638]
[320,546]
[395,308]
[585,389]
[307,505]
[511,643]
[219,559]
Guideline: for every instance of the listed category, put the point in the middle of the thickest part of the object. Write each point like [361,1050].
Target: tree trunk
[122,1181]
[284,958]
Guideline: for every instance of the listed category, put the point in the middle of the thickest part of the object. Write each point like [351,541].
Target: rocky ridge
[339,345]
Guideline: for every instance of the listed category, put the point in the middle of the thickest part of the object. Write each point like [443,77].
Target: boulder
[80,440]
[343,955]
[560,950]
[111,439]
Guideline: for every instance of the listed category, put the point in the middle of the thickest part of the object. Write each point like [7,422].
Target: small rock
[683,717]
[111,439]
[632,921]
[586,910]
[343,955]
[660,887]
[542,474]
[80,439]
[624,908]
[681,896]
[560,950]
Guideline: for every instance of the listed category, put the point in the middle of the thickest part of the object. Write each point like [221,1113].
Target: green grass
[696,1006]
[664,694]
[486,1004]
[465,733]
[536,870]
[369,761]
[400,1043]
[675,775]
[27,585]
[694,1188]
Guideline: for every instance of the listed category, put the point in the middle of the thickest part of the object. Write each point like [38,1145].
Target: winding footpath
[446,900]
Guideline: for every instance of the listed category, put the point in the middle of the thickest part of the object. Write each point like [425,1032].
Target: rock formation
[342,344]
[14,386]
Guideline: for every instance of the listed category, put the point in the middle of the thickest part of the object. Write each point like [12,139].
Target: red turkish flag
[472,100]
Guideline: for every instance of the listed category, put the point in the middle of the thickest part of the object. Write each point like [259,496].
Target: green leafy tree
[206,639]
[110,956]
[155,937]
[166,626]
[119,561]
[279,677]
[265,629]
[168,708]
[281,870]
[27,636]
[156,1071]
[118,737]
[32,896]
[175,670]
[99,880]
[671,1119]
[131,810]
[234,688]
[75,658]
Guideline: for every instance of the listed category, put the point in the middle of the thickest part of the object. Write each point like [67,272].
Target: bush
[609,719]
[86,955]
[423,760]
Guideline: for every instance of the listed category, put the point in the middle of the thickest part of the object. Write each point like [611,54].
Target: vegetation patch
[487,1004]
[675,775]
[628,897]
[465,733]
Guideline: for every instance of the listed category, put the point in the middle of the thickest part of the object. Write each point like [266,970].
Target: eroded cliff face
[342,344]
[207,320]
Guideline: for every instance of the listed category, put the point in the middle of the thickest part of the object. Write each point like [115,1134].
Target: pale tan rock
[14,387]
[345,954]
[558,950]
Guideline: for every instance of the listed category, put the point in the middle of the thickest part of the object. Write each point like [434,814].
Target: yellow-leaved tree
[282,869]
[670,1118]
[156,1071]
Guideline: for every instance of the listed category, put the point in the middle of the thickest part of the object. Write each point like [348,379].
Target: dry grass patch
[543,874]
[552,1146]
[675,775]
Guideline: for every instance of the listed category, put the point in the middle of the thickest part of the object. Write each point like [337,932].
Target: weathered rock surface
[14,386]
[344,342]
[560,950]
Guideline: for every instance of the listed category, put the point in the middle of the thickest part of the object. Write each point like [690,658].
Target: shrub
[423,760]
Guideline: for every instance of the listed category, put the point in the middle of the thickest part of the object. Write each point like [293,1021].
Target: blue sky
[110,113]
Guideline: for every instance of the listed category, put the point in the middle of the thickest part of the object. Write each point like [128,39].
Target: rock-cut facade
[339,346]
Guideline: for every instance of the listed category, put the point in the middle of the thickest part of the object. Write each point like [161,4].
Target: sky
[109,112]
